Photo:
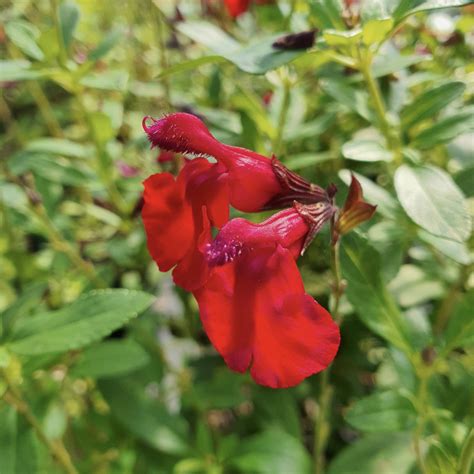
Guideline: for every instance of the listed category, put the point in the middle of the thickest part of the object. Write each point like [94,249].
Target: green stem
[467,454]
[45,109]
[322,428]
[57,449]
[365,67]
[422,403]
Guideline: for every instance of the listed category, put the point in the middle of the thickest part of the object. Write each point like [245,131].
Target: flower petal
[167,219]
[257,315]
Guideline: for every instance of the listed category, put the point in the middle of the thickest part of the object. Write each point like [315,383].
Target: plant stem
[467,454]
[424,374]
[365,67]
[322,427]
[56,448]
[45,109]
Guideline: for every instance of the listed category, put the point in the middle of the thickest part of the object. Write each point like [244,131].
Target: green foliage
[104,365]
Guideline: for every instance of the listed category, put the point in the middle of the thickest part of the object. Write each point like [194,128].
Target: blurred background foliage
[386,92]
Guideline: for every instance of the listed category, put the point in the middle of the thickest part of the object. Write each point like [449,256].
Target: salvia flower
[255,181]
[254,307]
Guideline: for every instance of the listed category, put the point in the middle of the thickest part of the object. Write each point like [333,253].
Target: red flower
[237,7]
[254,307]
[177,215]
[165,156]
[255,181]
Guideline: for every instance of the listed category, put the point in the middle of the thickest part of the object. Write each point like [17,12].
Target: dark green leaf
[460,329]
[145,418]
[85,321]
[112,38]
[24,35]
[376,454]
[433,201]
[465,180]
[110,358]
[445,130]
[68,18]
[368,294]
[271,452]
[429,103]
[382,411]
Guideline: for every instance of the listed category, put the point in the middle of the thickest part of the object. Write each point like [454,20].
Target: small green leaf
[406,6]
[388,63]
[68,19]
[110,358]
[367,293]
[433,201]
[382,411]
[89,319]
[24,35]
[18,70]
[191,65]
[376,454]
[430,103]
[366,150]
[460,329]
[445,130]
[271,452]
[374,31]
[112,38]
[58,146]
[342,38]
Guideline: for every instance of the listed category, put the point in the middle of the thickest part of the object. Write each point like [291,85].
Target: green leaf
[18,451]
[433,201]
[342,38]
[145,418]
[18,70]
[351,98]
[24,35]
[109,80]
[376,454]
[68,19]
[430,103]
[382,411]
[112,38]
[373,193]
[465,180]
[460,329]
[374,31]
[366,150]
[456,251]
[368,295]
[89,319]
[311,129]
[271,452]
[255,58]
[445,130]
[302,160]
[388,63]
[29,298]
[110,358]
[327,14]
[412,286]
[405,9]
[58,146]
[191,65]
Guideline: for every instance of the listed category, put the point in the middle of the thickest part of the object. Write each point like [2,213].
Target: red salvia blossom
[177,215]
[254,307]
[237,7]
[255,181]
